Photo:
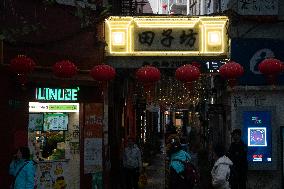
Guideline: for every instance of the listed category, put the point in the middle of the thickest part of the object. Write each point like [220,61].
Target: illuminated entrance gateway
[167,36]
[168,42]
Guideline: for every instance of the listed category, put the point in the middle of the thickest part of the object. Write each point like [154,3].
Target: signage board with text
[167,36]
[56,94]
[260,7]
[53,107]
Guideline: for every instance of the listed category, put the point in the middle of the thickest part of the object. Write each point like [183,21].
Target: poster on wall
[93,138]
[51,175]
[55,122]
[35,122]
[93,155]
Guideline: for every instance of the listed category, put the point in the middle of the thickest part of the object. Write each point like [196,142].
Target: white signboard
[53,107]
[258,7]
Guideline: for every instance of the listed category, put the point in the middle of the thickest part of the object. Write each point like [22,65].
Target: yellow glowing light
[118,38]
[122,35]
[214,38]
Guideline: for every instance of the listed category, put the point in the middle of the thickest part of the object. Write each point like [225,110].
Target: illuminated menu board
[257,135]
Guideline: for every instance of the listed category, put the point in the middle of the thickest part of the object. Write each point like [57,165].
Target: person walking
[221,170]
[238,154]
[23,170]
[132,164]
[178,158]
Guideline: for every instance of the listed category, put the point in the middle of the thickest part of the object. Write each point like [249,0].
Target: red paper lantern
[102,72]
[64,69]
[231,71]
[148,74]
[196,64]
[22,65]
[271,67]
[187,73]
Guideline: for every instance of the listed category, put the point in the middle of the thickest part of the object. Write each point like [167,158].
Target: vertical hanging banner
[93,138]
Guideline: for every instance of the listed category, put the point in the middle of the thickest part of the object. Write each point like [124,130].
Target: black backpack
[190,173]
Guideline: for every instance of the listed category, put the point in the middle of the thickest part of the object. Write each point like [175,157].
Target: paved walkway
[156,173]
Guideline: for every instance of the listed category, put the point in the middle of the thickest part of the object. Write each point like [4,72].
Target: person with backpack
[238,154]
[181,170]
[23,170]
[221,170]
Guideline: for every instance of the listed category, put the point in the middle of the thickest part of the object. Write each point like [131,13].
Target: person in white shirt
[132,164]
[221,169]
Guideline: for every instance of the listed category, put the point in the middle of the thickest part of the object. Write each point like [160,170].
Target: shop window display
[50,134]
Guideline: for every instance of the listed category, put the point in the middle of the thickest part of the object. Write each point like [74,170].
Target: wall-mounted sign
[57,94]
[167,36]
[257,135]
[53,107]
[250,52]
[250,7]
[207,66]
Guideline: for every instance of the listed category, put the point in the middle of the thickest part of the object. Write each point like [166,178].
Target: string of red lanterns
[147,75]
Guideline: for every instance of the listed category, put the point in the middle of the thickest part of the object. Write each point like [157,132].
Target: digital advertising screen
[257,135]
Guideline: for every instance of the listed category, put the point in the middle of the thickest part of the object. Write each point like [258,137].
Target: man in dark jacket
[238,154]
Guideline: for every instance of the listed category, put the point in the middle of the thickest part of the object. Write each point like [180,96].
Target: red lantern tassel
[149,90]
[189,85]
[271,79]
[232,82]
[22,79]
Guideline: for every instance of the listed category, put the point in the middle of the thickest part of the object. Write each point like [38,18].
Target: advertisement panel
[250,52]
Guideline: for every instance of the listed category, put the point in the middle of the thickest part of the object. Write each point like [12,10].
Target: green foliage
[55,139]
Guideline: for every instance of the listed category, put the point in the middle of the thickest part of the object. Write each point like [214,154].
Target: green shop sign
[57,94]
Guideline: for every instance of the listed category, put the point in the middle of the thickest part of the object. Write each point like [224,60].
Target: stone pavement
[156,172]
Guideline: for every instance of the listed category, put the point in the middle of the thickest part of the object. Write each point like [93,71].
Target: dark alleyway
[156,173]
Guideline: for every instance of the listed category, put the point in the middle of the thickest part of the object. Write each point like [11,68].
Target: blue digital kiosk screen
[257,135]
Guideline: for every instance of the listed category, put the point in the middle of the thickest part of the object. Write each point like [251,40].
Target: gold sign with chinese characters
[167,36]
